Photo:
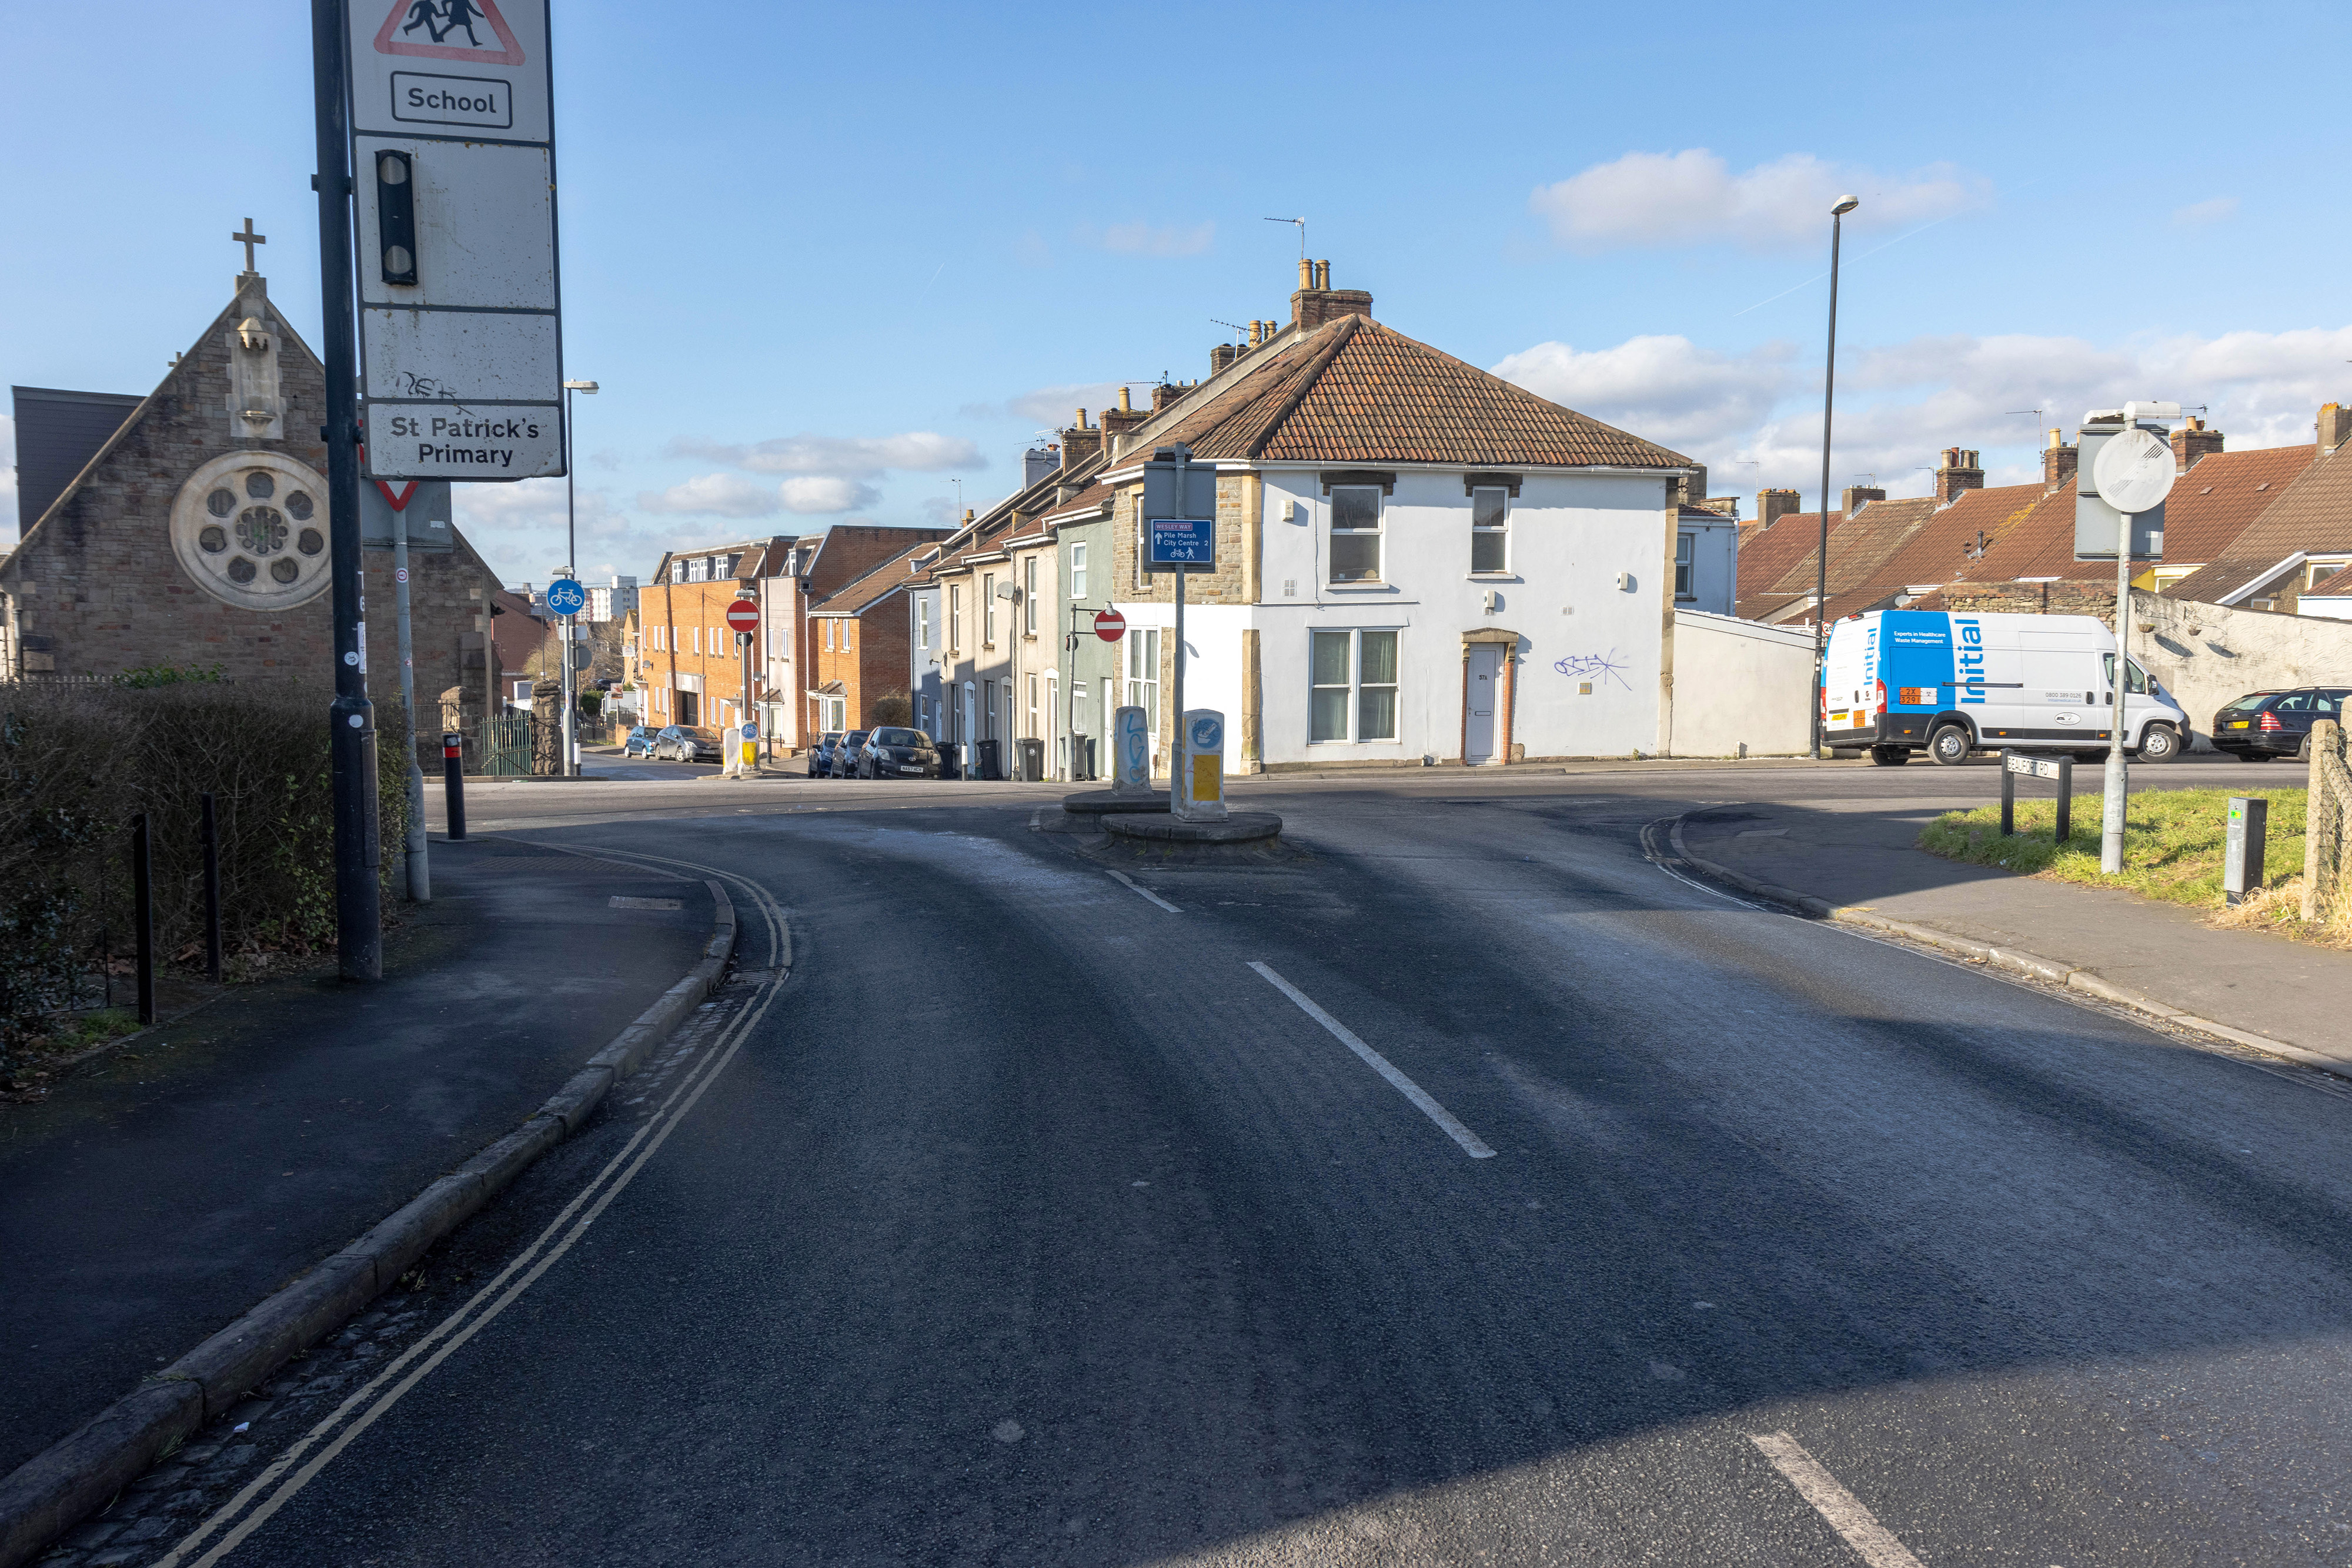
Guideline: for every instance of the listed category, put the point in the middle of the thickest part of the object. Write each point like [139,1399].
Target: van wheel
[1950,745]
[1890,756]
[2157,743]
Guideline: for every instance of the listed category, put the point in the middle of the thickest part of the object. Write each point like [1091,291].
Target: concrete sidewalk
[165,1187]
[1859,858]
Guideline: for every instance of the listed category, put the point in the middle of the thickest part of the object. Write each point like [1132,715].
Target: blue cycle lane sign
[566,597]
[1184,542]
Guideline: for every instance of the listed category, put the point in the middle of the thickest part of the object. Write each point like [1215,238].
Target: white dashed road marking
[1860,1527]
[1128,882]
[1472,1144]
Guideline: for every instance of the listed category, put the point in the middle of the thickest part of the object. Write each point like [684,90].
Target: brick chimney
[1117,422]
[2334,426]
[1960,472]
[1222,356]
[2059,462]
[1854,497]
[1080,442]
[1771,505]
[1317,302]
[2193,441]
[1690,490]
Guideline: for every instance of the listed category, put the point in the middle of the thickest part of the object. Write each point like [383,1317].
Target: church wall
[95,587]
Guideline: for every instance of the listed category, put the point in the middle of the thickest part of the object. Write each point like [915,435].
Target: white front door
[1482,683]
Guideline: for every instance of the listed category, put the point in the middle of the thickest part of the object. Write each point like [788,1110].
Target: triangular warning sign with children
[449,30]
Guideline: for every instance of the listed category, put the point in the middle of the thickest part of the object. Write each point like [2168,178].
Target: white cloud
[1755,418]
[817,494]
[841,456]
[1692,197]
[716,496]
[1145,239]
[2196,215]
[1051,408]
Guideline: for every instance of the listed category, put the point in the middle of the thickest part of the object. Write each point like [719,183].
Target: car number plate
[2240,723]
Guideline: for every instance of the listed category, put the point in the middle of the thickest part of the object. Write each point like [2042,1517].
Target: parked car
[2264,725]
[820,756]
[1951,684]
[845,755]
[640,741]
[895,753]
[687,743]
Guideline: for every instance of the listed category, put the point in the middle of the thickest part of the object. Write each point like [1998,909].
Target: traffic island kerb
[1241,828]
[1102,803]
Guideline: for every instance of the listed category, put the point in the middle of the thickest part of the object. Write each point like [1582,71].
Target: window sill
[1496,577]
[1366,586]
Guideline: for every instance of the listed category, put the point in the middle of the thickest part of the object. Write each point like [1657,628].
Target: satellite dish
[2134,472]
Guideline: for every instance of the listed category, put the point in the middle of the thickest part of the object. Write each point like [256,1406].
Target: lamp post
[571,569]
[1829,391]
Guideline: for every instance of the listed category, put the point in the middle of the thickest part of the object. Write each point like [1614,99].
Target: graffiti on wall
[1595,667]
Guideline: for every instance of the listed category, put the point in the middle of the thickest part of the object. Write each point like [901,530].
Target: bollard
[142,913]
[211,892]
[2242,862]
[2065,800]
[2008,797]
[453,779]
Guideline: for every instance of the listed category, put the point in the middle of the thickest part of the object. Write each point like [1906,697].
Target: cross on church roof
[249,239]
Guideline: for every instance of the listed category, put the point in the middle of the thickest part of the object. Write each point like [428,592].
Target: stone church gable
[194,539]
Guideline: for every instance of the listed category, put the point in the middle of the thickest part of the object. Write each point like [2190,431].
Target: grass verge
[2173,841]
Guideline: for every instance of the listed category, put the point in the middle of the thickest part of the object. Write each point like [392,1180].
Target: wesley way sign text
[453,165]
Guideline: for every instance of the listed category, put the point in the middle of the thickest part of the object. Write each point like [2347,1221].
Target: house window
[1490,535]
[1355,533]
[988,611]
[1682,547]
[1354,695]
[828,636]
[955,617]
[1143,675]
[698,639]
[846,628]
[922,623]
[1029,605]
[1033,706]
[697,569]
[1077,572]
[1079,704]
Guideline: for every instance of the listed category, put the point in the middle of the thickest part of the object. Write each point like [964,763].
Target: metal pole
[1176,747]
[453,783]
[420,876]
[741,745]
[571,569]
[142,913]
[1822,559]
[359,930]
[2111,816]
[211,890]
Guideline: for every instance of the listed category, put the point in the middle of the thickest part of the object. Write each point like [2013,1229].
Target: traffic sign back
[743,615]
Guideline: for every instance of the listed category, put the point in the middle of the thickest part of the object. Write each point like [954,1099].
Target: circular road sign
[1109,625]
[566,597]
[2134,472]
[743,615]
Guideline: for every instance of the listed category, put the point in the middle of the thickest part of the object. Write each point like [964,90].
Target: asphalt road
[1044,1215]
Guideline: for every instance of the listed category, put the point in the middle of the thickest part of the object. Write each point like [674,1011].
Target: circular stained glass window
[214,539]
[284,569]
[240,570]
[220,503]
[261,529]
[300,505]
[309,541]
[260,485]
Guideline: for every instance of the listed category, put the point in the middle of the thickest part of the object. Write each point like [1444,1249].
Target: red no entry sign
[743,615]
[1109,625]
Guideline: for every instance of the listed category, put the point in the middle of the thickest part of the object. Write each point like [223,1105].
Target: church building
[188,529]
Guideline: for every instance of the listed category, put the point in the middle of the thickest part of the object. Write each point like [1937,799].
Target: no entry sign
[743,615]
[1109,625]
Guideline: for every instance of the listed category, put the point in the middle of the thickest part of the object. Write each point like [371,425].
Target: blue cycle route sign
[566,597]
[1182,543]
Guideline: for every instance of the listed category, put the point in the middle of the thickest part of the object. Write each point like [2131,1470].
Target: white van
[1899,681]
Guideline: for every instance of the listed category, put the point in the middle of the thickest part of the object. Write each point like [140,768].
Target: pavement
[165,1186]
[1460,1186]
[1859,855]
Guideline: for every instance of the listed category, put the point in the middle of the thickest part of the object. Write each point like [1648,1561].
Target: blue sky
[827,262]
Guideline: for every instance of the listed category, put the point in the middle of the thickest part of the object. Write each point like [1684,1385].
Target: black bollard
[453,778]
[212,893]
[142,913]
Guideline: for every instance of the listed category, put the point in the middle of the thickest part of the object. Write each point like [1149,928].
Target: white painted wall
[1739,683]
[2208,656]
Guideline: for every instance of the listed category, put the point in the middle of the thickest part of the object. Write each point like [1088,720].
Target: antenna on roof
[1237,328]
[1302,235]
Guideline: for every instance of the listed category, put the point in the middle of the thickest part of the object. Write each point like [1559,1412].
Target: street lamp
[572,568]
[1821,556]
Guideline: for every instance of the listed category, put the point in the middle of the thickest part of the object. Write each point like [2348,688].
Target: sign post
[2133,473]
[1180,520]
[743,619]
[1110,626]
[359,929]
[2016,765]
[566,598]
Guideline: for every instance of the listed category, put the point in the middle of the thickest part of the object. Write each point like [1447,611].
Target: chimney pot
[1124,405]
[2060,461]
[1960,473]
[1322,275]
[1306,273]
[2192,443]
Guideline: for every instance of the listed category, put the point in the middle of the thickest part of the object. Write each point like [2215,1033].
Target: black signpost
[359,930]
[2016,765]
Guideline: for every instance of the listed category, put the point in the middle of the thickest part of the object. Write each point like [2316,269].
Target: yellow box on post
[1198,781]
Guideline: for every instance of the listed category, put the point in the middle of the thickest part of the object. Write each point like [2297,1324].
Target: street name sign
[743,615]
[2034,767]
[453,165]
[566,597]
[1109,625]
